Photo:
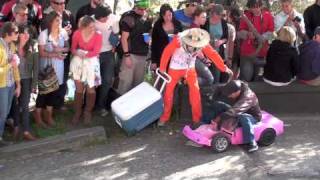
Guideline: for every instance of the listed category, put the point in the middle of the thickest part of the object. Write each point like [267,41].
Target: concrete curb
[68,141]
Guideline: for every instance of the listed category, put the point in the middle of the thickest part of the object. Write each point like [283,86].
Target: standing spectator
[288,16]
[135,50]
[53,44]
[108,25]
[251,55]
[9,73]
[233,48]
[309,61]
[311,18]
[84,67]
[218,30]
[88,9]
[59,6]
[28,68]
[205,76]
[162,31]
[282,59]
[34,12]
[184,16]
[68,23]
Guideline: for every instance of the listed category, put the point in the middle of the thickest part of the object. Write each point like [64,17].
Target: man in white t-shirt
[108,25]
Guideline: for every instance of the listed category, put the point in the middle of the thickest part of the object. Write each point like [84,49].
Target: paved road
[162,154]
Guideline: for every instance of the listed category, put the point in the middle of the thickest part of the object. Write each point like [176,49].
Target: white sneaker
[104,112]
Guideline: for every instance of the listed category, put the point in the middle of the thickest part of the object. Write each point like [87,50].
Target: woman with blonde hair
[282,59]
[85,66]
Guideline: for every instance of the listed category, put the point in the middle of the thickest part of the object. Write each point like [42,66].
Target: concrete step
[293,99]
[65,142]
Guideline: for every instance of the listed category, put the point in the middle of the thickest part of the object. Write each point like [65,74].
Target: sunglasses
[58,3]
[16,32]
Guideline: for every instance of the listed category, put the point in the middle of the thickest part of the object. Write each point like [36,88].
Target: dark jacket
[309,60]
[84,10]
[247,102]
[160,39]
[225,34]
[282,62]
[311,19]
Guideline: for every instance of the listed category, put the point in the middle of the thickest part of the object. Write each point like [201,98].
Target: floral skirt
[86,70]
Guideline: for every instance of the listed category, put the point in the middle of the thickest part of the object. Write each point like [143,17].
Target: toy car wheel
[220,143]
[267,137]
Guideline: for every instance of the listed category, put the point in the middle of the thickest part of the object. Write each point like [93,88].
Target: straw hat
[195,37]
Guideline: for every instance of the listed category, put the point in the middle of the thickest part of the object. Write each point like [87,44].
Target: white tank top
[182,60]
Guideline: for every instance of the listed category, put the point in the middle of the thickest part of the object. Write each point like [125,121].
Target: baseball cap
[142,3]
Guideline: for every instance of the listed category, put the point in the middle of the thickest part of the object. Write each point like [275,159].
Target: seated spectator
[256,28]
[288,16]
[309,61]
[311,18]
[282,59]
[243,109]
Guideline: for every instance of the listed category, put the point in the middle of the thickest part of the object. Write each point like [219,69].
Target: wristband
[126,54]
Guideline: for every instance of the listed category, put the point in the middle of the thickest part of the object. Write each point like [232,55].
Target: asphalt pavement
[162,154]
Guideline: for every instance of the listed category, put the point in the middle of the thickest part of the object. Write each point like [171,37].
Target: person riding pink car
[242,109]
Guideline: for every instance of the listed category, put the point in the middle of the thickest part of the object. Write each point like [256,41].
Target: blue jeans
[217,108]
[205,77]
[107,73]
[6,96]
[20,106]
[247,121]
[251,68]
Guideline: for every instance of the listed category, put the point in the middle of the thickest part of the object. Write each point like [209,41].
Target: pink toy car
[265,133]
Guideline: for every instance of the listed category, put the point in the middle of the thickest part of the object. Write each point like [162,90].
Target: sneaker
[104,112]
[4,143]
[253,147]
[161,124]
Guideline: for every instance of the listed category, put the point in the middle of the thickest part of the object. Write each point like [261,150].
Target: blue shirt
[186,21]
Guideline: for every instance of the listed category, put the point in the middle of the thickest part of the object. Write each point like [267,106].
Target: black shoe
[4,143]
[195,125]
[253,147]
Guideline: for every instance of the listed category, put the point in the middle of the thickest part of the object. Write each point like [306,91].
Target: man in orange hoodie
[182,51]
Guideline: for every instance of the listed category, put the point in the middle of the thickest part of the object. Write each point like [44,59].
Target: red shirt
[93,46]
[263,23]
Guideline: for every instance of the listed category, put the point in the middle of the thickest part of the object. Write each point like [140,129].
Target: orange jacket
[207,51]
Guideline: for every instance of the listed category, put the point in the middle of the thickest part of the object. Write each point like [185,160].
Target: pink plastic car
[265,133]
